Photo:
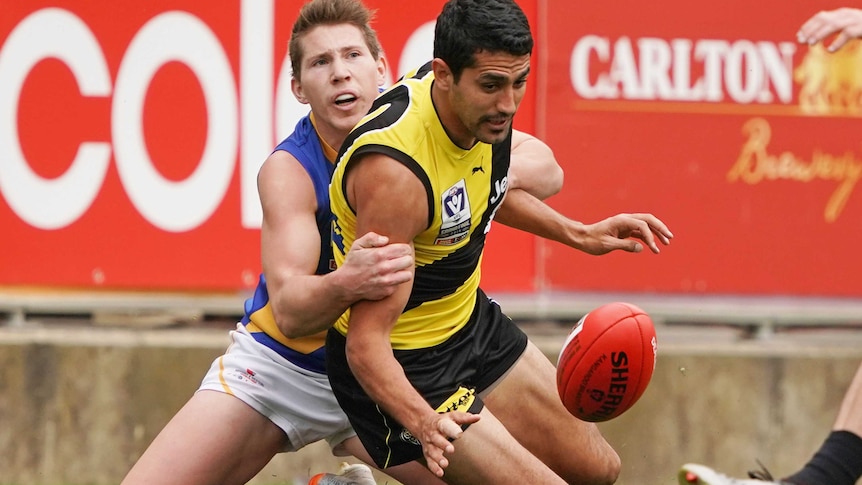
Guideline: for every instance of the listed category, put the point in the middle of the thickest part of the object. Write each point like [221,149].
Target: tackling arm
[304,303]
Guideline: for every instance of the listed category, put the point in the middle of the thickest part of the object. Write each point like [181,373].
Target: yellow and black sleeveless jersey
[464,189]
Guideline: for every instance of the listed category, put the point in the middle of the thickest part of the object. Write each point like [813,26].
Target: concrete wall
[78,406]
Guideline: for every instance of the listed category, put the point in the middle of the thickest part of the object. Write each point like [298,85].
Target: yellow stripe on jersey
[403,124]
[330,153]
[262,320]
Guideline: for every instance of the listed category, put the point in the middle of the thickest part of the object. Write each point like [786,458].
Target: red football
[606,361]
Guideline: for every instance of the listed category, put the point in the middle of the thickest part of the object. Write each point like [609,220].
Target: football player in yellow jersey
[268,393]
[435,372]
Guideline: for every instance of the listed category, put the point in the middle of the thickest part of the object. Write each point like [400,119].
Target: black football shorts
[450,376]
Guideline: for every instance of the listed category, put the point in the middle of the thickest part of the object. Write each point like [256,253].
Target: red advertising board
[132,132]
[711,116]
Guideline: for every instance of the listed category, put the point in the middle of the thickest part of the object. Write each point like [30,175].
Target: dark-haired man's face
[488,94]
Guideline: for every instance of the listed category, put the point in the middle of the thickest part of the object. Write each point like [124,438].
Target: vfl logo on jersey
[455,226]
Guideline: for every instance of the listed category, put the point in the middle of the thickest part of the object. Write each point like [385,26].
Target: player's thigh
[412,473]
[487,453]
[214,439]
[573,448]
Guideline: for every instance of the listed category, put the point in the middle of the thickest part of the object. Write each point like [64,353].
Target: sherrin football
[606,362]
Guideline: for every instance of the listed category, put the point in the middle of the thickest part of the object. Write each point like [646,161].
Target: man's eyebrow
[351,47]
[492,76]
[319,55]
[330,53]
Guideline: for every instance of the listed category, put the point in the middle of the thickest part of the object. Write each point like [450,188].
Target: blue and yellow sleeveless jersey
[463,187]
[306,352]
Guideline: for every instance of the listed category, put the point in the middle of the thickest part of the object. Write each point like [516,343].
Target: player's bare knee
[607,476]
[612,470]
[604,470]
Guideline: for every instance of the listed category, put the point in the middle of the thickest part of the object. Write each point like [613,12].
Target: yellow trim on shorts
[221,378]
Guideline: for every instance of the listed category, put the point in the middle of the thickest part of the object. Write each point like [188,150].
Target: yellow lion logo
[831,82]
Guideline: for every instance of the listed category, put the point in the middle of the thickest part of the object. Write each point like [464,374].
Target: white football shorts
[298,401]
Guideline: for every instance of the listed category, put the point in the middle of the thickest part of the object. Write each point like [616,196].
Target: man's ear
[296,87]
[442,74]
[382,70]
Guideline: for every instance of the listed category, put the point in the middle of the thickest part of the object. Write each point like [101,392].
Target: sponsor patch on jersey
[246,375]
[461,400]
[456,215]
